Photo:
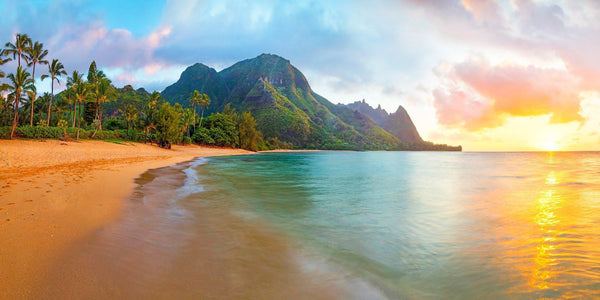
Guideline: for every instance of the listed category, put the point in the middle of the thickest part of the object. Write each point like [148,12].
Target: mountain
[123,96]
[284,105]
[378,114]
[398,124]
[202,78]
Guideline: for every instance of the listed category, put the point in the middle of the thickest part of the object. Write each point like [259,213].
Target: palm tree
[36,55]
[155,97]
[195,99]
[148,113]
[204,102]
[94,77]
[69,96]
[31,98]
[104,92]
[187,118]
[3,61]
[20,83]
[82,91]
[72,82]
[19,48]
[130,113]
[55,69]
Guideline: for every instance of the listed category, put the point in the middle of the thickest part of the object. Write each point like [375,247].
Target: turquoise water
[428,224]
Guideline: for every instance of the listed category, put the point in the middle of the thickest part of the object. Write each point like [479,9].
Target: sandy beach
[54,193]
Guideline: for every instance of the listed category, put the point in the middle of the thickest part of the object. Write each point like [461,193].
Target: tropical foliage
[89,106]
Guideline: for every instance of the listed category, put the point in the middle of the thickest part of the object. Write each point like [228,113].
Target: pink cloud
[485,11]
[76,45]
[482,95]
[126,77]
[457,108]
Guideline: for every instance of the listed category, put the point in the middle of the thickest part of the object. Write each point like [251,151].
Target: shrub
[201,136]
[220,137]
[186,140]
[222,130]
[72,132]
[108,135]
[39,132]
[114,124]
[5,132]
[167,125]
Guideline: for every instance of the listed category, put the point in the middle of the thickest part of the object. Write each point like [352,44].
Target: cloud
[76,34]
[479,95]
[544,57]
[76,45]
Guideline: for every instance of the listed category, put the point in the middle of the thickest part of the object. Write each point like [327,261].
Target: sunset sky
[489,75]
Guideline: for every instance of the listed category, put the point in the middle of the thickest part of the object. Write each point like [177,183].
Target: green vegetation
[92,108]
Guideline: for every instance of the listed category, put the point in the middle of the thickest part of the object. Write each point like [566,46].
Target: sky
[490,75]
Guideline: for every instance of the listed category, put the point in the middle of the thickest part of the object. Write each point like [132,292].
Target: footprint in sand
[10,203]
[28,200]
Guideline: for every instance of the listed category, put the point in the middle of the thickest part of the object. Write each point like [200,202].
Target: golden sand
[54,193]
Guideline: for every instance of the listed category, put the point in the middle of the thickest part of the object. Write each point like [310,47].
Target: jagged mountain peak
[398,123]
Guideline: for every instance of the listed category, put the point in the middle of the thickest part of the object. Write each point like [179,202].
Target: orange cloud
[482,95]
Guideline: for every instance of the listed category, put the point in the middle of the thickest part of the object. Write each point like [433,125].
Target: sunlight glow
[548,221]
[550,146]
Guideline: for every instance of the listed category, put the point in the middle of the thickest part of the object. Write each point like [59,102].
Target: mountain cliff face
[398,124]
[202,78]
[282,102]
[286,108]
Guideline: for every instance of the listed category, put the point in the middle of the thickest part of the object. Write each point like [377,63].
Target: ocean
[363,225]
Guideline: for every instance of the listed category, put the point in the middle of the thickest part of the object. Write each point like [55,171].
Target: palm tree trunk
[101,114]
[97,117]
[79,119]
[201,116]
[12,132]
[73,111]
[31,117]
[97,108]
[195,113]
[50,104]
[32,100]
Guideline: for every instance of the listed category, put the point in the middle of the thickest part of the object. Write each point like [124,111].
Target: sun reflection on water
[548,221]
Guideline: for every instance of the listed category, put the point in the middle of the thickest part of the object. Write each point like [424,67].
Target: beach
[54,193]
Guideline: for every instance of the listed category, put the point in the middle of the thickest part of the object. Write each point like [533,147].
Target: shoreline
[54,193]
[183,248]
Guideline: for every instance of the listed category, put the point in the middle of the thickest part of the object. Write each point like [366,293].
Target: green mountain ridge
[398,123]
[285,107]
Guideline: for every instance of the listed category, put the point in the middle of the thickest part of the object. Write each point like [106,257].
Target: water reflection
[548,221]
[415,225]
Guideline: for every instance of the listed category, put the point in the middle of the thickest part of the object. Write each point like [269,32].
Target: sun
[550,145]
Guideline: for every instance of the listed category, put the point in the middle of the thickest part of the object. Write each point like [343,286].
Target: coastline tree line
[91,107]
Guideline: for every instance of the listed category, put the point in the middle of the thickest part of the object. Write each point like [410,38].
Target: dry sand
[54,193]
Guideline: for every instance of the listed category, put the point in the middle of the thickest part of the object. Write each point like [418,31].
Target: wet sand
[54,194]
[170,245]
